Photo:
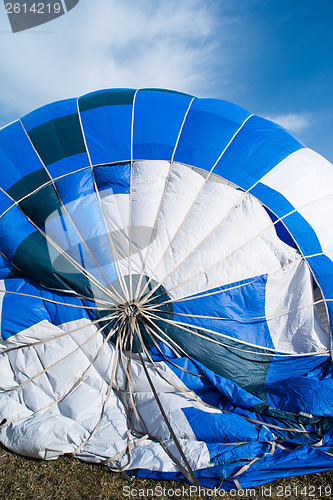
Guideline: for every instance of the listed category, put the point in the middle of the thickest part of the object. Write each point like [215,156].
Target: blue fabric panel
[114,178]
[5,267]
[301,230]
[301,460]
[322,267]
[61,314]
[297,393]
[303,233]
[209,126]
[240,306]
[14,228]
[258,147]
[281,229]
[328,439]
[76,186]
[226,391]
[236,401]
[5,202]
[106,97]
[49,112]
[269,468]
[94,255]
[224,427]
[281,367]
[158,117]
[211,388]
[234,457]
[70,241]
[77,193]
[107,131]
[303,394]
[272,199]
[44,121]
[68,165]
[194,380]
[32,310]
[17,157]
[229,389]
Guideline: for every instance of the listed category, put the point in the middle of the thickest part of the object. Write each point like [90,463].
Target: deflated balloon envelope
[166,289]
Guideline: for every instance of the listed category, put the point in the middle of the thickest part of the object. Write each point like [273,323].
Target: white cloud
[292,121]
[109,43]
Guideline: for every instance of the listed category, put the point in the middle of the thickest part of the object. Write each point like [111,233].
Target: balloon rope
[112,246]
[48,183]
[78,296]
[254,421]
[55,337]
[193,204]
[153,334]
[156,327]
[189,393]
[81,269]
[204,293]
[68,214]
[188,255]
[187,470]
[129,400]
[65,304]
[60,360]
[64,395]
[129,404]
[151,318]
[161,200]
[272,352]
[115,366]
[248,465]
[130,205]
[255,319]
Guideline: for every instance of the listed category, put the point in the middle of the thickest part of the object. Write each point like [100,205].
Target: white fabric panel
[148,182]
[2,287]
[86,244]
[321,309]
[116,211]
[290,314]
[303,178]
[238,241]
[182,189]
[244,245]
[320,216]
[53,414]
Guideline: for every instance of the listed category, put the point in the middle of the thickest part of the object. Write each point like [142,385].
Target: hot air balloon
[166,289]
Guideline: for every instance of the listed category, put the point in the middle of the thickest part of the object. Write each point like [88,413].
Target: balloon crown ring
[129,309]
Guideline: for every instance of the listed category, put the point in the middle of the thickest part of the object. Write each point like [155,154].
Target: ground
[68,478]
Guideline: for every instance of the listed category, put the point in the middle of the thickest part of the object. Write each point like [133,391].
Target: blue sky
[273,57]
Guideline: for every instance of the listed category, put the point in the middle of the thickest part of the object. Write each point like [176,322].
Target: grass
[68,478]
